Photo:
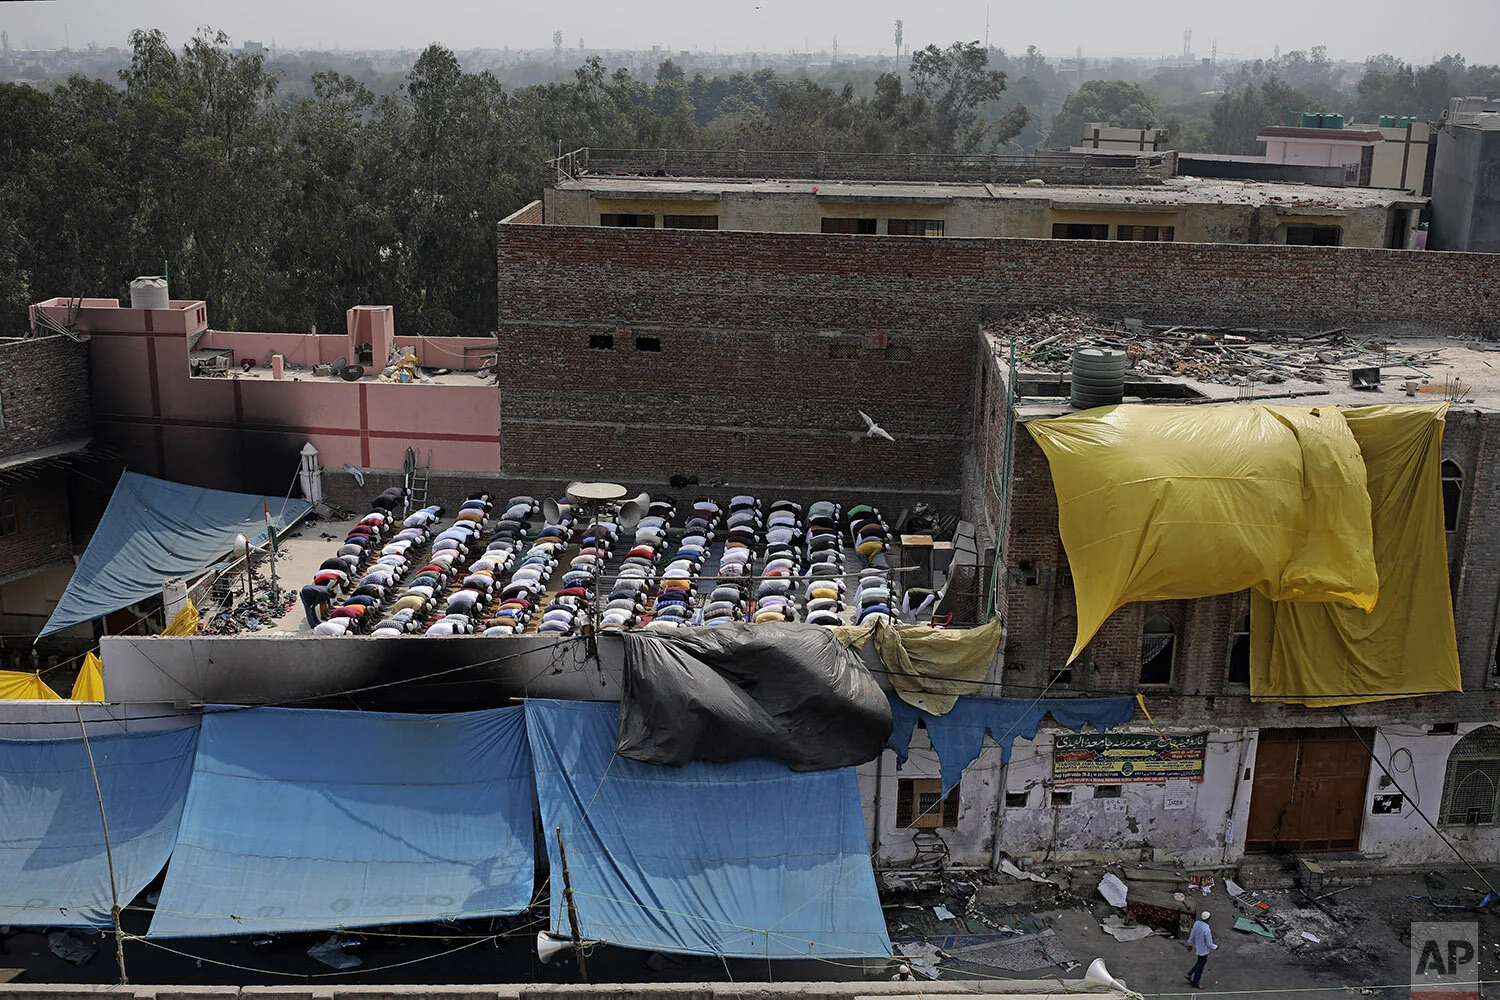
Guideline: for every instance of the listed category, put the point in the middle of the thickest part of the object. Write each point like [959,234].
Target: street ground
[1362,948]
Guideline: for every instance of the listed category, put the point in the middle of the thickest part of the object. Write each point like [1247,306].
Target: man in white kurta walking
[1201,940]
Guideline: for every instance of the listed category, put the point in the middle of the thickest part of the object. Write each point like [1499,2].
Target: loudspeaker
[632,510]
[547,946]
[1098,978]
[551,511]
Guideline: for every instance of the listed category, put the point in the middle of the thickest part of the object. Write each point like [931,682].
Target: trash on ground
[1246,924]
[1112,889]
[331,953]
[1121,929]
[1010,869]
[72,948]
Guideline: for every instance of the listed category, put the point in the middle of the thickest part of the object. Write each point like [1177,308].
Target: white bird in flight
[873,429]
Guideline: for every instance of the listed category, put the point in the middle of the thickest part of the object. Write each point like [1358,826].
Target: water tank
[1098,376]
[1387,121]
[1333,121]
[149,292]
[1310,120]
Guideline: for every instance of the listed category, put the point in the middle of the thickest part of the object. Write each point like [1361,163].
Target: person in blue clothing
[1201,940]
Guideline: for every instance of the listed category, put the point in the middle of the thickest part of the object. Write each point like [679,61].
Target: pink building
[170,395]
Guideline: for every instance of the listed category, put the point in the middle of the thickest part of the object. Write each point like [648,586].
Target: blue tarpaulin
[153,529]
[304,819]
[958,736]
[53,867]
[743,859]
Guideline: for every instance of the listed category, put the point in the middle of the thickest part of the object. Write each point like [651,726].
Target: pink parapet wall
[243,432]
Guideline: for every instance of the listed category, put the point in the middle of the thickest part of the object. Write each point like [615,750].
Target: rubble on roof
[1240,356]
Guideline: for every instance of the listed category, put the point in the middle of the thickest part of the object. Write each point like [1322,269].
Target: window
[920,804]
[1146,234]
[860,227]
[1158,644]
[1106,791]
[1239,652]
[627,220]
[1443,729]
[1453,490]
[898,353]
[690,222]
[648,344]
[1473,779]
[1016,800]
[914,227]
[1062,798]
[1314,236]
[843,352]
[1061,678]
[1079,231]
[9,523]
[601,342]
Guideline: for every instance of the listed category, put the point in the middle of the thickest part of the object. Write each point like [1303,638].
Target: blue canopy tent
[153,529]
[53,867]
[746,859]
[309,819]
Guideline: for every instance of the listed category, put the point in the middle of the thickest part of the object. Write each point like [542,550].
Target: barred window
[1146,234]
[914,227]
[1472,785]
[920,804]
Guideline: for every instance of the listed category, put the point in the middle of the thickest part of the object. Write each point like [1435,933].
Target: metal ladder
[417,477]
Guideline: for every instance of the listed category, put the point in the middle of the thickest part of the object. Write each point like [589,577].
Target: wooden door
[1308,791]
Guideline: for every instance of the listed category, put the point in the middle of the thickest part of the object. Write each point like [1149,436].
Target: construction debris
[1044,343]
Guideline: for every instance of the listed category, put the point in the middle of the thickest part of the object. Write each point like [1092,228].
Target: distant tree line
[282,206]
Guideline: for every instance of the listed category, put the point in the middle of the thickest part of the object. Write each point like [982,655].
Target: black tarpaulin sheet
[790,692]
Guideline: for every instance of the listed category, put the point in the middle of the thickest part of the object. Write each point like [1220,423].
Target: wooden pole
[114,895]
[562,854]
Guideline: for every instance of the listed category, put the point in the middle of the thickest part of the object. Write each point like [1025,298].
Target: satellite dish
[352,373]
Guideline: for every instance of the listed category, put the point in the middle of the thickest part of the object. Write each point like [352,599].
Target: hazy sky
[1242,28]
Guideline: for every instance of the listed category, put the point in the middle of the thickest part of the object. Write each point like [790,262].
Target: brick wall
[45,535]
[527,215]
[44,393]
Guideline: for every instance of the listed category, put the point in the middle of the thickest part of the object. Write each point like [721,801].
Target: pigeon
[358,474]
[874,429]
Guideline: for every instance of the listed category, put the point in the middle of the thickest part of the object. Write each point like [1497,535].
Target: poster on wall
[1114,758]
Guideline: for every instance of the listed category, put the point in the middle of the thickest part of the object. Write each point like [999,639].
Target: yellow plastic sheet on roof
[1163,503]
[90,683]
[17,686]
[928,667]
[1324,654]
[185,622]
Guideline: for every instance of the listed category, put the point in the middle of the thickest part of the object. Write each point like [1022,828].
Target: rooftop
[1173,191]
[1194,365]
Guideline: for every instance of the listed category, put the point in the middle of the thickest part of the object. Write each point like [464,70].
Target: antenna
[986,27]
[900,35]
[1187,43]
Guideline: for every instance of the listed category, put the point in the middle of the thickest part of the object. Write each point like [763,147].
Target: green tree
[1122,104]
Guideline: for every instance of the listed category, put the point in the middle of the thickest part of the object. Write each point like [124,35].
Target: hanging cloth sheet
[1325,654]
[153,529]
[1276,495]
[790,692]
[747,859]
[929,667]
[958,736]
[306,820]
[18,686]
[53,867]
[90,683]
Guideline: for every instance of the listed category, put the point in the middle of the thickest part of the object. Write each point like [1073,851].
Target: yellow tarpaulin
[928,667]
[16,686]
[1163,503]
[185,622]
[90,683]
[1323,654]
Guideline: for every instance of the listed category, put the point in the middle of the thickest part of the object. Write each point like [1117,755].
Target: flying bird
[358,474]
[872,429]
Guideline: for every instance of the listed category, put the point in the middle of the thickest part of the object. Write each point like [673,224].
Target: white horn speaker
[551,511]
[548,946]
[1098,978]
[632,510]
